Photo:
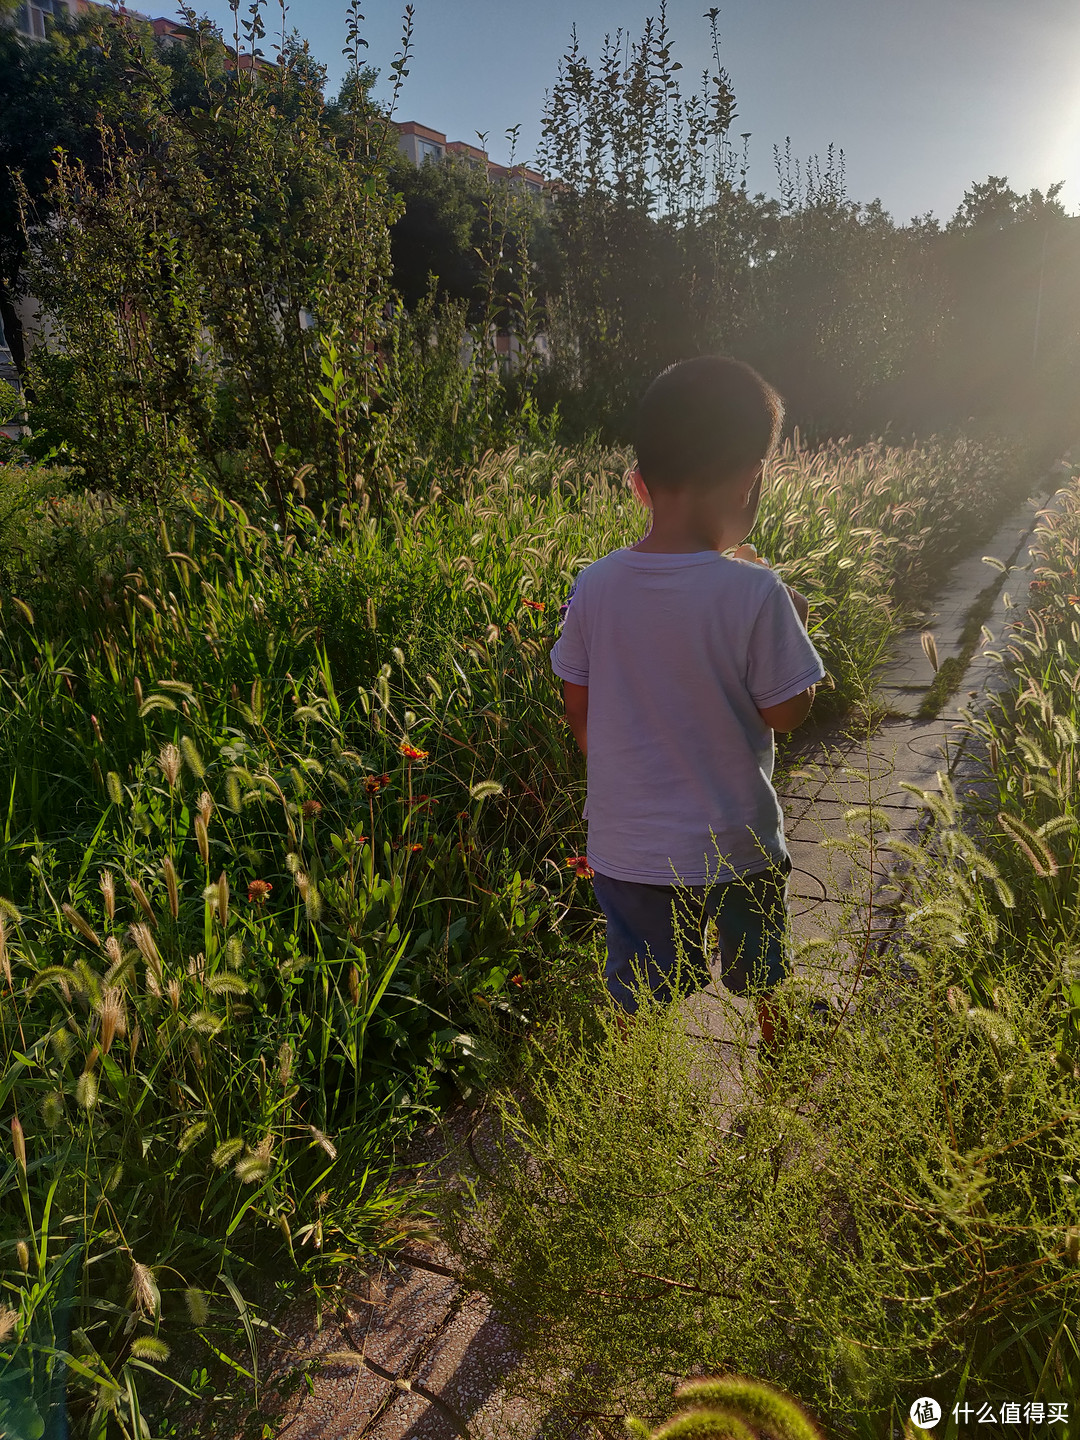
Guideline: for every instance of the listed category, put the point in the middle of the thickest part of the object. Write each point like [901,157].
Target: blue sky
[924,96]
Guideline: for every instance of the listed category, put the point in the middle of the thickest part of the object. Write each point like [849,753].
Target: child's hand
[748,552]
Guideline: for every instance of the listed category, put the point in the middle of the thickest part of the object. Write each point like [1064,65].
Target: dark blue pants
[751,926]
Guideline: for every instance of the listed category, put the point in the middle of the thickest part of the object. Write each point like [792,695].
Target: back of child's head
[704,420]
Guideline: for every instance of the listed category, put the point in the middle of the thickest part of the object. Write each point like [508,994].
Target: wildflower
[581,867]
[518,980]
[258,890]
[534,605]
[311,808]
[414,848]
[374,783]
[411,752]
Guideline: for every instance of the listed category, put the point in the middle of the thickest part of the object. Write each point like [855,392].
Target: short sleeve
[570,654]
[781,661]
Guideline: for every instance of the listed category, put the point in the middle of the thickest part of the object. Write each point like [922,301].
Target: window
[428,150]
[30,18]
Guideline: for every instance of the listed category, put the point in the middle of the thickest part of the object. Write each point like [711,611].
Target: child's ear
[640,489]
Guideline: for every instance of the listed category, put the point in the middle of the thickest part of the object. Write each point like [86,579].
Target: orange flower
[411,752]
[581,867]
[258,890]
[374,783]
[414,848]
[534,604]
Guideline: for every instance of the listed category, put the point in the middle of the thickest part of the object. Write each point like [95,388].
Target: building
[32,19]
[421,144]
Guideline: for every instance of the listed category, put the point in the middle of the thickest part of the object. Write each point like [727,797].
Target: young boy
[678,663]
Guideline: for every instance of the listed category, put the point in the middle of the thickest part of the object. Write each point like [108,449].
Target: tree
[246,327]
[57,95]
[992,205]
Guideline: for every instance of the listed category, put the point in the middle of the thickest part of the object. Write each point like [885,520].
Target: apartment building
[31,17]
[421,144]
[31,20]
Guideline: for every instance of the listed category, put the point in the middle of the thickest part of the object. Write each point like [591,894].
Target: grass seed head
[192,759]
[143,941]
[169,763]
[18,1141]
[7,1323]
[202,839]
[108,889]
[143,900]
[74,918]
[52,1109]
[5,959]
[323,1142]
[113,1017]
[144,1290]
[172,885]
[22,1253]
[197,1307]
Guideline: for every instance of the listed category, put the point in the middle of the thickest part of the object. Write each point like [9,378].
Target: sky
[924,97]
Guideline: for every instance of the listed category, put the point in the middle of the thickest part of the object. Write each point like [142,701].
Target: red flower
[517,980]
[581,867]
[374,783]
[258,890]
[416,847]
[411,752]
[533,604]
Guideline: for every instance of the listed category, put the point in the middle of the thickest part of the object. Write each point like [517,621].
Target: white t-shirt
[678,652]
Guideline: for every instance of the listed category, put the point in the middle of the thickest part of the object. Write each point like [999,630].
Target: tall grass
[285,821]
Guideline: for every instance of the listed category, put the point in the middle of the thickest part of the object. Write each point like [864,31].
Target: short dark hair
[705,420]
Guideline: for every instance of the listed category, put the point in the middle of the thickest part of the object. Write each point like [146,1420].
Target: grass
[286,817]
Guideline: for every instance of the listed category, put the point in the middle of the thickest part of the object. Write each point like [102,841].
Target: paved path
[434,1353]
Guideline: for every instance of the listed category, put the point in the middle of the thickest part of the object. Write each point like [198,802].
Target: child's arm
[789,714]
[576,703]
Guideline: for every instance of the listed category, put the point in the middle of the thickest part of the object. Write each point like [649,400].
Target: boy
[678,663]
